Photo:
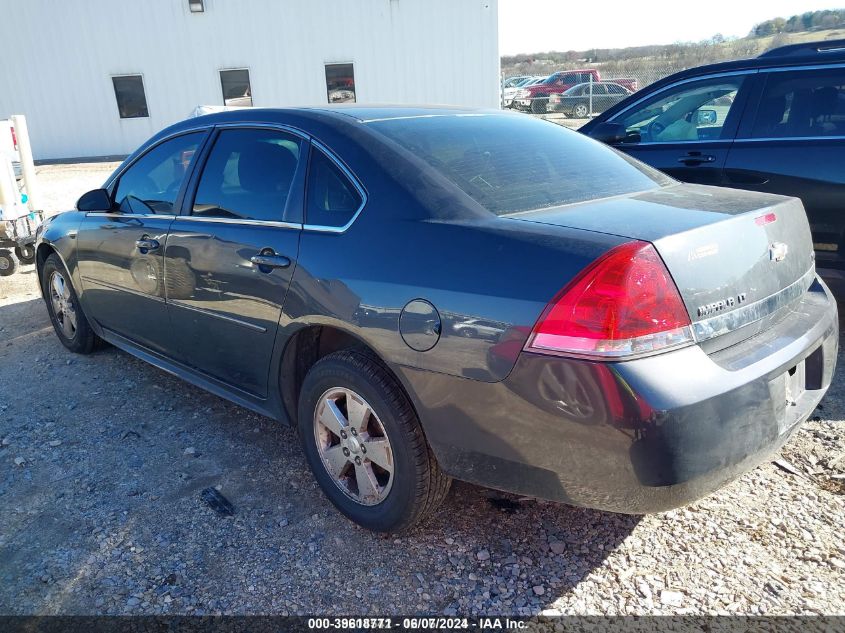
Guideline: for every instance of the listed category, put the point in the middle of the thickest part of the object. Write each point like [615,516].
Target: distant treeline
[809,21]
[646,63]
[650,63]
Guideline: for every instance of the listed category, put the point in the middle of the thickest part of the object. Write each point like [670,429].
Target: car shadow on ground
[106,459]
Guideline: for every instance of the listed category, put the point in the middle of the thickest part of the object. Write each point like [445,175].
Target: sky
[531,26]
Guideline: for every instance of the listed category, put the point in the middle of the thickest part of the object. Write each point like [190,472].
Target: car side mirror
[706,117]
[613,134]
[94,200]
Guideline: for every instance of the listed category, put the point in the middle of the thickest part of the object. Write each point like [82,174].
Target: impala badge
[777,251]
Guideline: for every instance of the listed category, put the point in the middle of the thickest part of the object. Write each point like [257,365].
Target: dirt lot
[103,458]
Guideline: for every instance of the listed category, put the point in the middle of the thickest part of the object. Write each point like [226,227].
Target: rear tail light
[625,303]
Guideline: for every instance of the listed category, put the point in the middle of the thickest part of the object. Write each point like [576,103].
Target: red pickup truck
[535,98]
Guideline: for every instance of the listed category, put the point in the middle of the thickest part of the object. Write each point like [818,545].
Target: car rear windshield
[511,162]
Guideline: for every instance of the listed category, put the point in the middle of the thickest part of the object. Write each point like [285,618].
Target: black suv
[775,123]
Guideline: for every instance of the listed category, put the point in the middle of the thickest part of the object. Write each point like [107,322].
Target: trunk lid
[736,257]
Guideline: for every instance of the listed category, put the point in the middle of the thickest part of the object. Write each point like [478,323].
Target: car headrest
[825,101]
[266,168]
[771,112]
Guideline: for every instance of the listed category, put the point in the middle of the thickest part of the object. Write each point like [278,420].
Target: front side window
[688,112]
[236,88]
[509,163]
[332,199]
[152,183]
[802,104]
[248,175]
[340,83]
[130,96]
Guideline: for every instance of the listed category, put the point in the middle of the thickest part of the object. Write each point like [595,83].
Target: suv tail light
[624,303]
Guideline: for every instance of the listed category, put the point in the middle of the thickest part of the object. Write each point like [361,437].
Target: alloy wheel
[353,446]
[62,302]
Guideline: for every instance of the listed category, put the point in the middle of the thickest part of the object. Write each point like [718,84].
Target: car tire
[389,500]
[8,262]
[539,105]
[26,254]
[580,111]
[69,321]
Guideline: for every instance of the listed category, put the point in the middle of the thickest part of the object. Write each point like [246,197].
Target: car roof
[597,83]
[333,115]
[310,119]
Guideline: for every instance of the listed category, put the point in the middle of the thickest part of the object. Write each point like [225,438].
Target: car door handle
[696,159]
[269,261]
[146,244]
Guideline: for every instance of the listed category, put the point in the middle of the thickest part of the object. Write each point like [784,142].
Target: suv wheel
[365,445]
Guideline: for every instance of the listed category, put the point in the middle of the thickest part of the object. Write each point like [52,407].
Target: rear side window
[509,163]
[152,183]
[248,175]
[332,198]
[802,104]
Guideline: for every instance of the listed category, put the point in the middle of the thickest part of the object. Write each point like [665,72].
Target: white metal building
[98,77]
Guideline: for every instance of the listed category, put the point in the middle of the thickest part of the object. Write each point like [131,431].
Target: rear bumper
[640,436]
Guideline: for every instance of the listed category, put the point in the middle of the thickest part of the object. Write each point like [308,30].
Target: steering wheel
[655,129]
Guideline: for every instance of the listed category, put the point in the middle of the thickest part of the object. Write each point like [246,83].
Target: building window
[236,88]
[340,83]
[131,100]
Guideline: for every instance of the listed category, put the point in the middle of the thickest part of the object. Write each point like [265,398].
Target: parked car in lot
[510,82]
[509,93]
[774,124]
[588,98]
[427,294]
[535,98]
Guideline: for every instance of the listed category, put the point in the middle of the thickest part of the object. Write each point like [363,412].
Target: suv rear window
[509,163]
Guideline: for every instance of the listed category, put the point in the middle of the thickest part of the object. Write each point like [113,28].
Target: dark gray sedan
[586,99]
[437,293]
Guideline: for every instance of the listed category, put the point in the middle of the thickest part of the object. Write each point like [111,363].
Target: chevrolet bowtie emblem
[778,251]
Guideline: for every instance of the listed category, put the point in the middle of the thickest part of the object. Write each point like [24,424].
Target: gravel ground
[103,459]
